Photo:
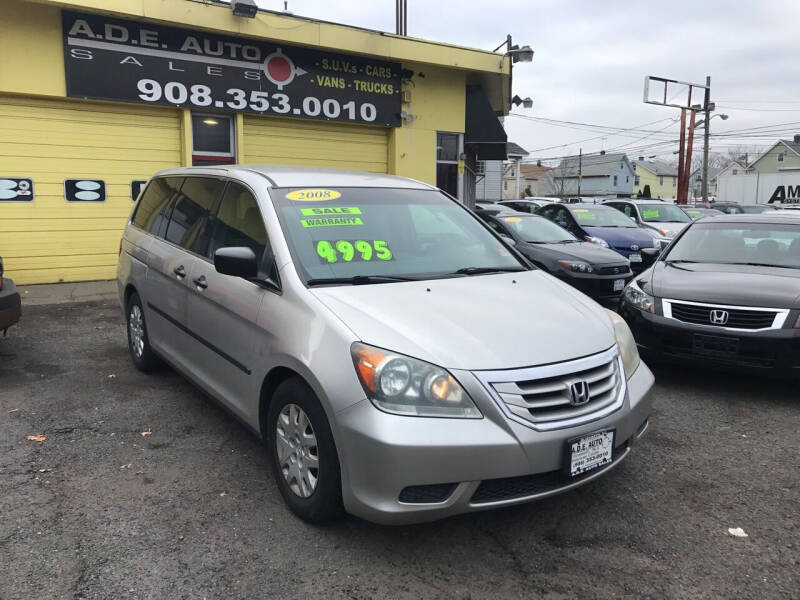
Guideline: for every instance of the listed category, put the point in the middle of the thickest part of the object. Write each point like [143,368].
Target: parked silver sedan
[341,316]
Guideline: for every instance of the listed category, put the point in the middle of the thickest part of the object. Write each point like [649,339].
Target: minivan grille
[549,401]
[737,318]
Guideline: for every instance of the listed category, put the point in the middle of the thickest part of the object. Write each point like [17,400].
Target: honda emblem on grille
[579,393]
[718,317]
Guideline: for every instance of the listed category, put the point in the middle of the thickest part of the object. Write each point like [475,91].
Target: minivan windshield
[762,244]
[377,235]
[663,213]
[601,216]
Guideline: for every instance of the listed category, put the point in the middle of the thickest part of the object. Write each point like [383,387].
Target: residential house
[496,179]
[661,176]
[532,175]
[783,156]
[714,173]
[590,175]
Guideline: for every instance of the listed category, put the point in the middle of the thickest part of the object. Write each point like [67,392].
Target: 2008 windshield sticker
[332,251]
[313,195]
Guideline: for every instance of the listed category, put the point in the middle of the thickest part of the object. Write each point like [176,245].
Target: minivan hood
[622,237]
[498,321]
[737,285]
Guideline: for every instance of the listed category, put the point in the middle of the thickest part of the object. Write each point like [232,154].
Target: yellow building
[97,95]
[659,175]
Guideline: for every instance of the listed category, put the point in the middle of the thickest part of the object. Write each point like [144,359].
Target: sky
[591,58]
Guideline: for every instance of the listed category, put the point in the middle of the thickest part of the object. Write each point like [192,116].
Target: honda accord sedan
[726,293]
[596,271]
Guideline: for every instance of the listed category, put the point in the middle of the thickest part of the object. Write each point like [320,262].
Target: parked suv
[10,305]
[662,219]
[341,316]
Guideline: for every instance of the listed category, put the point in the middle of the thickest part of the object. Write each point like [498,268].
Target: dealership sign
[114,59]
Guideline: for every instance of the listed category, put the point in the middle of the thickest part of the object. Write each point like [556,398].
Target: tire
[142,354]
[303,454]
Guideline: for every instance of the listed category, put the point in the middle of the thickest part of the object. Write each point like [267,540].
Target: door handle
[180,271]
[201,282]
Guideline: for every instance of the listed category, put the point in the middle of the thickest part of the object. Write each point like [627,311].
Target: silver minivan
[399,359]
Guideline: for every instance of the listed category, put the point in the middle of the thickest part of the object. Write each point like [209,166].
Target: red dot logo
[280,69]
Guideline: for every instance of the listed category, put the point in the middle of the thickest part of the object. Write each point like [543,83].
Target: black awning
[483,133]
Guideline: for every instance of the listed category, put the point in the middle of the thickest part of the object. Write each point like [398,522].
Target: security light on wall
[244,8]
[525,102]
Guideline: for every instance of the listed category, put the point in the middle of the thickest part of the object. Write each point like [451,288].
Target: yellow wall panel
[274,141]
[50,239]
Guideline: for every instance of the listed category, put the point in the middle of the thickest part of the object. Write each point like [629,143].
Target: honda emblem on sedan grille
[719,317]
[579,393]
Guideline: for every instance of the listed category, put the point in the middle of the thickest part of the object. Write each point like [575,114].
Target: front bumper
[774,351]
[598,287]
[442,467]
[10,305]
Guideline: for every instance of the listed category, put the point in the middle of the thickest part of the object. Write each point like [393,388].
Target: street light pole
[706,135]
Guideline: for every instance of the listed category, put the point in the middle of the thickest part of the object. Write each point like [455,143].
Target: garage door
[271,141]
[49,239]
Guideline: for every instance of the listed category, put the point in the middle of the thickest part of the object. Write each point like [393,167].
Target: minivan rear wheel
[138,343]
[303,454]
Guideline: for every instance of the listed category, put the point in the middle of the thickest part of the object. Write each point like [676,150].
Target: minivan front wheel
[303,454]
[138,343]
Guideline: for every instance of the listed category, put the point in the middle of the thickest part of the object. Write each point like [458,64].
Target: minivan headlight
[626,344]
[637,298]
[402,385]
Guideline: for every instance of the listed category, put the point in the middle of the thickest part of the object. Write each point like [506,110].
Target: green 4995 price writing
[331,251]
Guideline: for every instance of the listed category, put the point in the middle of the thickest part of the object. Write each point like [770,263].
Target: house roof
[591,165]
[657,167]
[513,149]
[533,171]
[713,172]
[794,147]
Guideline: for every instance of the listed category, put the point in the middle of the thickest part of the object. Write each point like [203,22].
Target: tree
[646,191]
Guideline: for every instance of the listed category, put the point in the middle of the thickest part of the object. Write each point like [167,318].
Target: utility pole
[580,169]
[706,135]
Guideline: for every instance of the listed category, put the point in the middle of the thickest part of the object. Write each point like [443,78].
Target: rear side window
[238,222]
[189,225]
[152,212]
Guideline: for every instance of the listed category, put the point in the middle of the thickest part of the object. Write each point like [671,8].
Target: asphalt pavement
[139,486]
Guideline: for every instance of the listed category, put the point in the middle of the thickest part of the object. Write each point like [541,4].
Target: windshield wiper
[483,270]
[359,279]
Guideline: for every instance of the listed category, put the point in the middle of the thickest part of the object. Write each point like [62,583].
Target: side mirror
[508,240]
[563,224]
[236,261]
[650,255]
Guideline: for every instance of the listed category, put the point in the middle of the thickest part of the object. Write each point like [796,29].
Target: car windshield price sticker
[650,214]
[115,59]
[331,251]
[313,195]
[16,189]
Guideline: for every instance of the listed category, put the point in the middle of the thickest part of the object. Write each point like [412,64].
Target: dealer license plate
[635,257]
[619,284]
[590,452]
